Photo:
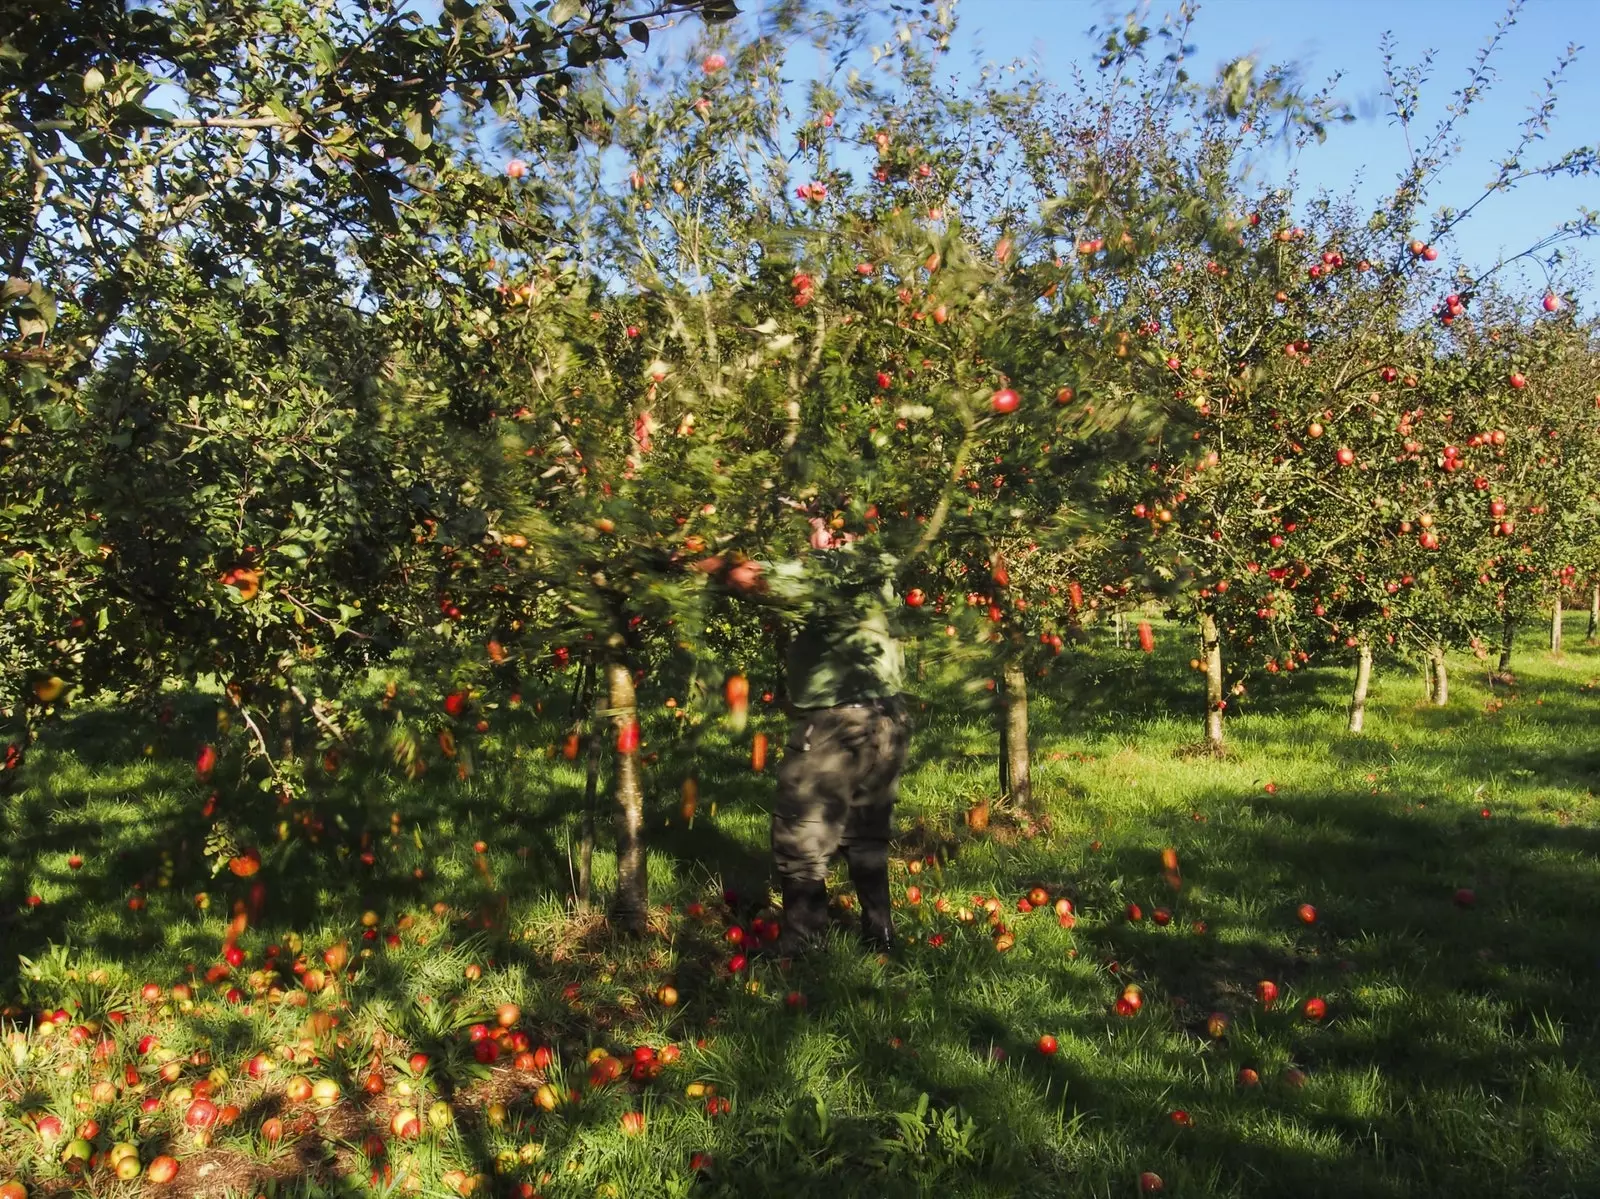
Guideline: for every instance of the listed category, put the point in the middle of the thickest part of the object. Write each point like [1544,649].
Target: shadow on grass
[1452,1060]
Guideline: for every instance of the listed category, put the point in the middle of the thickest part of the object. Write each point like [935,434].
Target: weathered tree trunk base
[1506,639]
[1555,625]
[1016,762]
[1594,613]
[1211,648]
[1439,692]
[630,905]
[1358,700]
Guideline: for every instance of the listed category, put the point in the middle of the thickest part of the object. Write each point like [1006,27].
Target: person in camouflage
[849,730]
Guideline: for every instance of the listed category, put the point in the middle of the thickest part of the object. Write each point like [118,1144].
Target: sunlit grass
[1457,1056]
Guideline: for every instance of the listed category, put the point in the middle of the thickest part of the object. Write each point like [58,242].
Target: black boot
[872,889]
[805,915]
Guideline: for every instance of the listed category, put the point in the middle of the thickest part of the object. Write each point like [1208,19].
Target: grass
[1458,1055]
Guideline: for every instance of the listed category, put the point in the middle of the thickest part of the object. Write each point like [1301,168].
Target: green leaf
[640,32]
[323,55]
[419,128]
[563,11]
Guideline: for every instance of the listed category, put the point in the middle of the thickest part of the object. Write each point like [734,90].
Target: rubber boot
[805,915]
[872,889]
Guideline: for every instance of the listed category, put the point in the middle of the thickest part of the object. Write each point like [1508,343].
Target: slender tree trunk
[1506,639]
[629,909]
[1427,677]
[591,787]
[1555,624]
[1211,647]
[1016,764]
[1358,701]
[1441,675]
[1594,612]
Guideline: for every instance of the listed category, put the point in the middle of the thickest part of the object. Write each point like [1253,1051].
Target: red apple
[1266,992]
[1466,897]
[162,1170]
[1307,914]
[1314,1008]
[201,1115]
[1150,1182]
[1048,1045]
[406,1124]
[1005,400]
[1518,381]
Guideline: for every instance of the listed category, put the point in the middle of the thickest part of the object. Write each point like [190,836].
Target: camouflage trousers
[837,785]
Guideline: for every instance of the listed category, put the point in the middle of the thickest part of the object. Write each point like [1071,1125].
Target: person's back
[838,780]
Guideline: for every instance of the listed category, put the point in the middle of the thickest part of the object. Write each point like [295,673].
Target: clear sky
[1326,38]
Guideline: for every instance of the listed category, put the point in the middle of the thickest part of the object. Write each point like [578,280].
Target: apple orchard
[393,422]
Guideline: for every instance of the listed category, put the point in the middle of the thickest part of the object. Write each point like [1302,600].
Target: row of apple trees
[377,413]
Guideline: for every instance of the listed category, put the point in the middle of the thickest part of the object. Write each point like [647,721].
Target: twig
[316,714]
[261,741]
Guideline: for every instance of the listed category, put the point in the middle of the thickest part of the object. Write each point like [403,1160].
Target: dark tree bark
[1016,764]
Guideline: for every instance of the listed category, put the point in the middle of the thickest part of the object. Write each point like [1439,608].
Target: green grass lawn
[1458,1055]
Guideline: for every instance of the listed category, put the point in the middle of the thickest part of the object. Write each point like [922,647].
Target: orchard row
[497,418]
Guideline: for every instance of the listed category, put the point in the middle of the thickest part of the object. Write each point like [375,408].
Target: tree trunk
[1016,765]
[1441,676]
[1211,643]
[1555,624]
[1358,701]
[1594,612]
[1427,677]
[591,786]
[629,909]
[1505,644]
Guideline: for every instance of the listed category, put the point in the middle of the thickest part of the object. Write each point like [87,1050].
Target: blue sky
[1343,37]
